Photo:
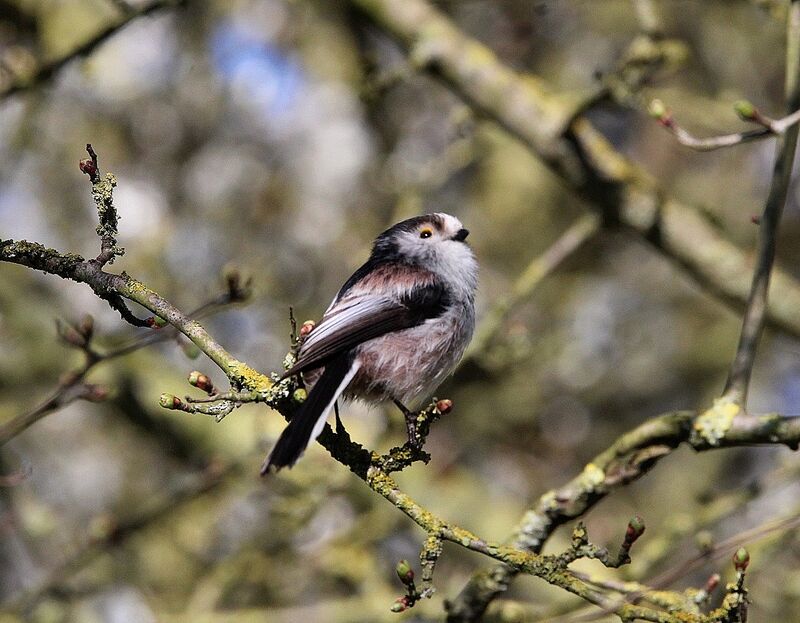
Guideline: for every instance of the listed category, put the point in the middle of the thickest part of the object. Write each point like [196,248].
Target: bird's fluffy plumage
[395,330]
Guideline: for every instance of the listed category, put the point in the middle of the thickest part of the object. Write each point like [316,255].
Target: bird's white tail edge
[317,430]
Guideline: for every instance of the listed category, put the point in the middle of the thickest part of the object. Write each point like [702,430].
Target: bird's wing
[359,317]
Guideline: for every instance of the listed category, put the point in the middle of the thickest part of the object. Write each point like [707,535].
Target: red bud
[400,604]
[444,406]
[88,167]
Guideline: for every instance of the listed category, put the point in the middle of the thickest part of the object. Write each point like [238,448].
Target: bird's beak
[461,235]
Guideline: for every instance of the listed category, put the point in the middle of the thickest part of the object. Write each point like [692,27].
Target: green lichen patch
[107,228]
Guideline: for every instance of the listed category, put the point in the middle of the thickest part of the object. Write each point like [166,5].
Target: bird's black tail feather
[308,421]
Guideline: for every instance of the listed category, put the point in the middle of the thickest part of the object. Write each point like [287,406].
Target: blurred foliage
[282,136]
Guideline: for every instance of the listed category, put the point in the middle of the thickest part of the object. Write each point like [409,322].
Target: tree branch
[49,69]
[578,234]
[72,385]
[770,127]
[756,310]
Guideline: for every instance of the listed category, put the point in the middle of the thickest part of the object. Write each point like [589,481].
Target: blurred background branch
[14,83]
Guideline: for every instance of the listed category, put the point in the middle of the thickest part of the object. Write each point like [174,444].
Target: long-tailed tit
[395,330]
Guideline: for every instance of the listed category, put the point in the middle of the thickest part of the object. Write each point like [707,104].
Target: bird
[394,331]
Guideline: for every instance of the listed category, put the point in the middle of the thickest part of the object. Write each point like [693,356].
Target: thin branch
[756,310]
[66,393]
[581,155]
[573,239]
[629,458]
[47,70]
[72,386]
[116,531]
[634,591]
[770,127]
[103,195]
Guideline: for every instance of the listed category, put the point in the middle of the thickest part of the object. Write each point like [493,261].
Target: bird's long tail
[309,420]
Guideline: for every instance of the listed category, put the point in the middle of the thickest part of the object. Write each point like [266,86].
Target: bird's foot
[414,438]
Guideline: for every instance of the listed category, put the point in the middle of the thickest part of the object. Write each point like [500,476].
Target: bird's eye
[425,233]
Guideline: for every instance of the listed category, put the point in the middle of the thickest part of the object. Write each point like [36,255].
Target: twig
[770,127]
[103,195]
[634,592]
[65,394]
[113,531]
[589,163]
[628,459]
[580,232]
[46,71]
[72,386]
[756,309]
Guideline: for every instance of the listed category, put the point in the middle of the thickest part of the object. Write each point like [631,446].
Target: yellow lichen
[714,423]
[593,475]
[249,378]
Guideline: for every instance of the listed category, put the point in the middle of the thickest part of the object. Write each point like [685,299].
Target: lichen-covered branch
[581,155]
[630,457]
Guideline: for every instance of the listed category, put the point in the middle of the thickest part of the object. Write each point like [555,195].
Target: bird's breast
[408,364]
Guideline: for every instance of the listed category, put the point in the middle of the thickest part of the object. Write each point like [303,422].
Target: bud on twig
[741,559]
[635,530]
[70,334]
[86,326]
[156,322]
[299,395]
[745,110]
[201,381]
[169,401]
[712,583]
[307,327]
[405,572]
[88,167]
[659,112]
[444,406]
[400,605]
